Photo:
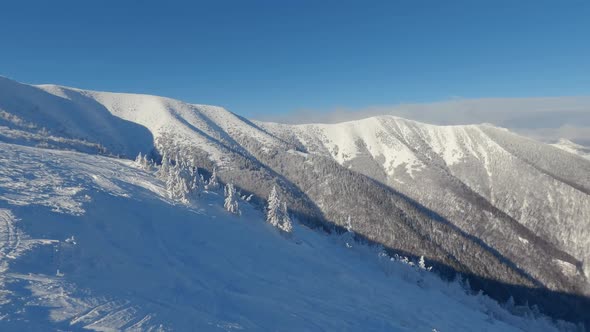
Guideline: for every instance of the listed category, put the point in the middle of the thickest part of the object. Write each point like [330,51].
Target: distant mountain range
[511,213]
[572,147]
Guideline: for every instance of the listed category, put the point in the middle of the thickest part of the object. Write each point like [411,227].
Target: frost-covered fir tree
[170,178]
[142,162]
[139,158]
[422,264]
[164,170]
[177,183]
[195,181]
[146,164]
[286,225]
[231,201]
[181,188]
[277,213]
[273,208]
[212,184]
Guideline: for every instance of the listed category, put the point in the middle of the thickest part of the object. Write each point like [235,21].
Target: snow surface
[341,140]
[392,140]
[197,125]
[43,185]
[92,242]
[409,152]
[572,147]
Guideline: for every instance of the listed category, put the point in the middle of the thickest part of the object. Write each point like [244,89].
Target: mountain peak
[475,199]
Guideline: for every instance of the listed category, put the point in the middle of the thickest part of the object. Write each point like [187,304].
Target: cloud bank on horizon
[545,118]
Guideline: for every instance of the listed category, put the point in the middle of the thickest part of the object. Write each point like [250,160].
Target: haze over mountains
[510,212]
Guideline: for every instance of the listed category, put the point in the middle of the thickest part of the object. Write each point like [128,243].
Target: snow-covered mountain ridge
[399,150]
[572,147]
[93,243]
[474,198]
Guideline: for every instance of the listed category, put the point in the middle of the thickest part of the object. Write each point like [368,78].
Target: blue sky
[270,57]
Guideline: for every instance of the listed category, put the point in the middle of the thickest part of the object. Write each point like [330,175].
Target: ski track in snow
[44,179]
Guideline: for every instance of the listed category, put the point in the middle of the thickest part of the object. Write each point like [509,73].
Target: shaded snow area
[90,242]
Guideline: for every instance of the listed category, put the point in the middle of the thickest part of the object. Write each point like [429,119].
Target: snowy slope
[523,205]
[572,147]
[208,128]
[422,160]
[123,123]
[92,242]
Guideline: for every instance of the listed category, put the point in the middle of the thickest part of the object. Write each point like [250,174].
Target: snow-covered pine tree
[164,168]
[212,184]
[231,201]
[286,224]
[180,185]
[194,183]
[145,163]
[277,213]
[273,207]
[168,174]
[421,263]
[181,189]
[142,162]
[139,159]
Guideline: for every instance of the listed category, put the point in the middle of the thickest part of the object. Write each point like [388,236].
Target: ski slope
[90,242]
[528,201]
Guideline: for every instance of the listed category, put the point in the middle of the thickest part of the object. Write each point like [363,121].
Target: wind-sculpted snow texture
[111,252]
[511,213]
